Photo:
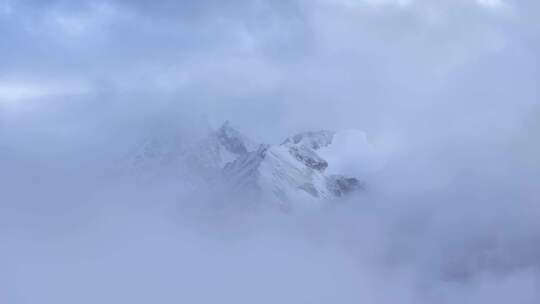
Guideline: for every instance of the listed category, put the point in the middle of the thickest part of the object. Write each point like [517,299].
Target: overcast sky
[379,65]
[448,90]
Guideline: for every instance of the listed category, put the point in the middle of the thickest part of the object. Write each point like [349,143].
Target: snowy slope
[292,172]
[221,147]
[168,156]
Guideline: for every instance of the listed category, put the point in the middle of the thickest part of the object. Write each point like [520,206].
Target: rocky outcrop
[232,140]
[341,185]
[312,140]
[308,157]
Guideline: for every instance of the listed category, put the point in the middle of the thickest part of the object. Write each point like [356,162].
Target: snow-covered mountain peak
[232,140]
[297,170]
[221,147]
[292,171]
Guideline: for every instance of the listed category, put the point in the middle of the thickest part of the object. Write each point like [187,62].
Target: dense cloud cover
[446,90]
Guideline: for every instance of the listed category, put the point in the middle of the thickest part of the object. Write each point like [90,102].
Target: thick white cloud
[443,89]
[492,3]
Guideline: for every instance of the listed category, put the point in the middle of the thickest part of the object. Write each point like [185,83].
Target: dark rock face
[308,157]
[303,147]
[231,139]
[313,140]
[341,185]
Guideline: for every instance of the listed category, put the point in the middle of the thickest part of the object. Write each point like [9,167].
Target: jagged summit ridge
[221,147]
[290,171]
[286,173]
[233,141]
[313,140]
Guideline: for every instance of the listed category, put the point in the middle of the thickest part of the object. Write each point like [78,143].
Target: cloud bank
[447,92]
